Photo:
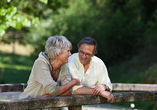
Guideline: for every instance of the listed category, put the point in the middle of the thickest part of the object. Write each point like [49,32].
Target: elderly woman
[50,75]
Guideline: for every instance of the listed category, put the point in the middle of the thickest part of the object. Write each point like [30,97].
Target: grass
[15,68]
[14,76]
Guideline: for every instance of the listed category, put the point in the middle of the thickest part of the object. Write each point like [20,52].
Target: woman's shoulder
[64,66]
[41,58]
[41,61]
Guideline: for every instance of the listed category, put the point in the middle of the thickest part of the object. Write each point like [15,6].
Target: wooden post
[155,105]
[75,107]
[2,76]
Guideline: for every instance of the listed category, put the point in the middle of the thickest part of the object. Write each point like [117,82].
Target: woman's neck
[55,64]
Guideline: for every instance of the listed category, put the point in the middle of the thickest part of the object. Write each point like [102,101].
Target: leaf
[44,1]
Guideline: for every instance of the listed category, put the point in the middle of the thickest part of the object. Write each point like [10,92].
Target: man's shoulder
[73,57]
[96,59]
[73,60]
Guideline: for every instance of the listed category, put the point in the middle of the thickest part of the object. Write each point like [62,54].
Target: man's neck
[86,66]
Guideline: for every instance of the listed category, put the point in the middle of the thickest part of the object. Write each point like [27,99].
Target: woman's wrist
[74,81]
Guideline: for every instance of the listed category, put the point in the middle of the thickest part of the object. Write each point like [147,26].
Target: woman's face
[65,55]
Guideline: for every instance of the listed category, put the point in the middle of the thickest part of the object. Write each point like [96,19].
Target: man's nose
[84,55]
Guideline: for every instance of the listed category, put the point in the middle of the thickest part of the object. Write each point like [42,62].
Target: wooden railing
[134,87]
[140,92]
[116,87]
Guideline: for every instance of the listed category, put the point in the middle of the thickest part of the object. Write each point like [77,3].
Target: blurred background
[126,32]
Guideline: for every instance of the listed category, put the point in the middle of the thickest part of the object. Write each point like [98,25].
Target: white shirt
[95,75]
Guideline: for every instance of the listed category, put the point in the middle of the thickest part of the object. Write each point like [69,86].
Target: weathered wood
[116,87]
[78,107]
[12,87]
[134,87]
[76,100]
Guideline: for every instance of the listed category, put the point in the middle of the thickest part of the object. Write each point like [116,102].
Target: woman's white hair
[55,45]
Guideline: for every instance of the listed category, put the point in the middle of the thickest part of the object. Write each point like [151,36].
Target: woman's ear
[58,54]
[57,51]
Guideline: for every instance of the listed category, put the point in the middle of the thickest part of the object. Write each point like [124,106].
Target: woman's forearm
[67,86]
[65,93]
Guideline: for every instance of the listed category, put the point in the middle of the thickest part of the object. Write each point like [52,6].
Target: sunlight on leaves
[44,1]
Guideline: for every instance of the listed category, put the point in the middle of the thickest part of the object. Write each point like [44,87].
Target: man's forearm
[83,90]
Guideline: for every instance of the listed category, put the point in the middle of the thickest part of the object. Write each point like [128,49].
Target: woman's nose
[69,53]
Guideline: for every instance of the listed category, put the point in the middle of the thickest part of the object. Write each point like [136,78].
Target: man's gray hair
[55,45]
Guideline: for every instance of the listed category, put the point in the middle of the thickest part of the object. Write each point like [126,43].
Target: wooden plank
[12,87]
[116,87]
[76,100]
[134,87]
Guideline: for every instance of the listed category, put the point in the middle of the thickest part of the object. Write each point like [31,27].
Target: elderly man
[90,70]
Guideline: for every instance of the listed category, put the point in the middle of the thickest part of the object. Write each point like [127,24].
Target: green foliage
[17,16]
[10,16]
[151,32]
[121,28]
[118,26]
[150,75]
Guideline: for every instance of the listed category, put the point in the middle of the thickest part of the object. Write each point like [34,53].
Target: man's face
[85,53]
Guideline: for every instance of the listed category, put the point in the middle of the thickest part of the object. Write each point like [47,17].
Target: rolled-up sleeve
[74,73]
[103,76]
[65,75]
[43,76]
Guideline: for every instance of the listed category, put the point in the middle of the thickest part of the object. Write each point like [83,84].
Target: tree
[16,16]
[120,27]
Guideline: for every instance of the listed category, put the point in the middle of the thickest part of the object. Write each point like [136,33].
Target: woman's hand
[77,81]
[45,95]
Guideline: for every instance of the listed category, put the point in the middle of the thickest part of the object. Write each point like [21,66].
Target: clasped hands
[100,90]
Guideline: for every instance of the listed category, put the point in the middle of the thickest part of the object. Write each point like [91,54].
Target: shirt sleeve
[64,76]
[74,72]
[103,76]
[43,76]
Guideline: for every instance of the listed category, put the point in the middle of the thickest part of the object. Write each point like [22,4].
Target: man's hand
[106,95]
[77,81]
[97,89]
